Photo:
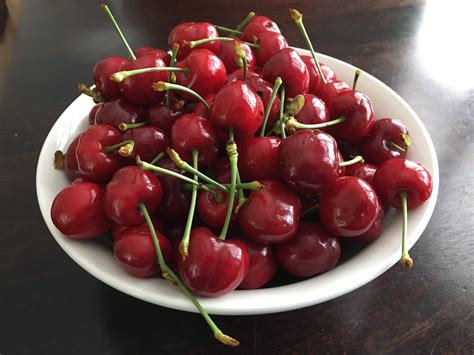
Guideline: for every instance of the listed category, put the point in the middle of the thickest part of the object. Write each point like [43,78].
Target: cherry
[163,116]
[230,59]
[185,32]
[135,252]
[140,52]
[313,110]
[212,208]
[309,160]
[374,231]
[129,187]
[202,110]
[237,106]
[259,158]
[213,267]
[92,113]
[221,170]
[315,81]
[268,44]
[191,132]
[119,111]
[101,74]
[149,142]
[256,26]
[95,161]
[264,89]
[348,206]
[239,75]
[358,112]
[287,65]
[313,250]
[118,228]
[77,211]
[270,215]
[262,267]
[364,171]
[387,139]
[70,160]
[331,89]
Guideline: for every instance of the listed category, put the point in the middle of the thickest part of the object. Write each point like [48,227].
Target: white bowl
[369,263]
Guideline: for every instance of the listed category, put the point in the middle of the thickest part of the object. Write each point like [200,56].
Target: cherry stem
[309,210]
[198,42]
[240,191]
[292,124]
[233,157]
[298,19]
[171,75]
[124,148]
[59,160]
[276,86]
[406,140]
[396,146]
[157,169]
[245,21]
[405,260]
[170,276]
[184,245]
[356,78]
[158,158]
[226,29]
[92,93]
[295,105]
[126,126]
[207,188]
[163,86]
[357,159]
[119,31]
[282,106]
[241,60]
[122,75]
[174,156]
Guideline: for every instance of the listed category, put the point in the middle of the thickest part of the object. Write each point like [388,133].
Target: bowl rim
[223,305]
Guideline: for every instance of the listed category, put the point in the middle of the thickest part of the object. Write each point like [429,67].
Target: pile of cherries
[273,151]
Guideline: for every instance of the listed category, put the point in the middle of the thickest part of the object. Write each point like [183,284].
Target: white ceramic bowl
[369,263]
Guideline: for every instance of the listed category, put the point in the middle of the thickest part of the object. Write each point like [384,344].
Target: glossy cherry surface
[118,228]
[269,43]
[313,111]
[348,206]
[118,111]
[165,56]
[221,170]
[328,91]
[374,231]
[129,187]
[364,171]
[213,210]
[101,74]
[259,158]
[315,81]
[93,111]
[387,139]
[149,142]
[256,26]
[313,250]
[213,267]
[229,57]
[239,75]
[264,89]
[77,211]
[202,110]
[403,175]
[163,116]
[193,31]
[270,215]
[70,160]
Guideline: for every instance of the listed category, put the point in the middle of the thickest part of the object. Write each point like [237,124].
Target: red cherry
[229,58]
[374,231]
[315,81]
[118,228]
[239,75]
[213,267]
[135,252]
[256,26]
[309,160]
[77,211]
[357,108]
[313,111]
[163,55]
[191,132]
[92,113]
[211,210]
[270,215]
[237,106]
[264,89]
[149,142]
[401,175]
[193,31]
[387,139]
[221,169]
[202,110]
[129,187]
[259,158]
[348,206]
[119,111]
[163,116]
[364,171]
[206,74]
[262,267]
[313,250]
[287,65]
[269,43]
[93,162]
[70,160]
[331,89]
[101,74]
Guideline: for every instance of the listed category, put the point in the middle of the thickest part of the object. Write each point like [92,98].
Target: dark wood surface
[49,305]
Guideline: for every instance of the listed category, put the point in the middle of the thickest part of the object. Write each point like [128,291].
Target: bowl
[96,258]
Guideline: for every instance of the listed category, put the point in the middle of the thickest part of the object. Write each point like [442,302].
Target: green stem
[255,185]
[251,186]
[126,126]
[292,124]
[198,42]
[122,75]
[226,29]
[298,19]
[276,86]
[158,158]
[241,59]
[157,169]
[282,106]
[357,159]
[405,260]
[163,86]
[170,276]
[171,76]
[245,21]
[233,157]
[119,31]
[396,146]
[184,245]
[356,78]
[309,210]
[125,148]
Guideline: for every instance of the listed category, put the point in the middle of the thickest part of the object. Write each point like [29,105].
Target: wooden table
[49,305]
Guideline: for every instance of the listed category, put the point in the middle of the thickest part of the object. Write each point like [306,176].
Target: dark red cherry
[149,142]
[213,210]
[309,160]
[374,231]
[191,132]
[264,89]
[313,250]
[313,111]
[101,74]
[287,65]
[259,158]
[229,57]
[119,111]
[387,139]
[70,160]
[77,211]
[357,108]
[348,206]
[163,116]
[331,89]
[237,106]
[138,88]
[118,228]
[163,55]
[315,81]
[202,110]
[213,267]
[402,175]
[93,161]
[364,171]
[192,31]
[92,113]
[270,215]
[262,267]
[256,26]
[135,251]
[221,169]
[207,73]
[239,75]
[269,43]
[129,187]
